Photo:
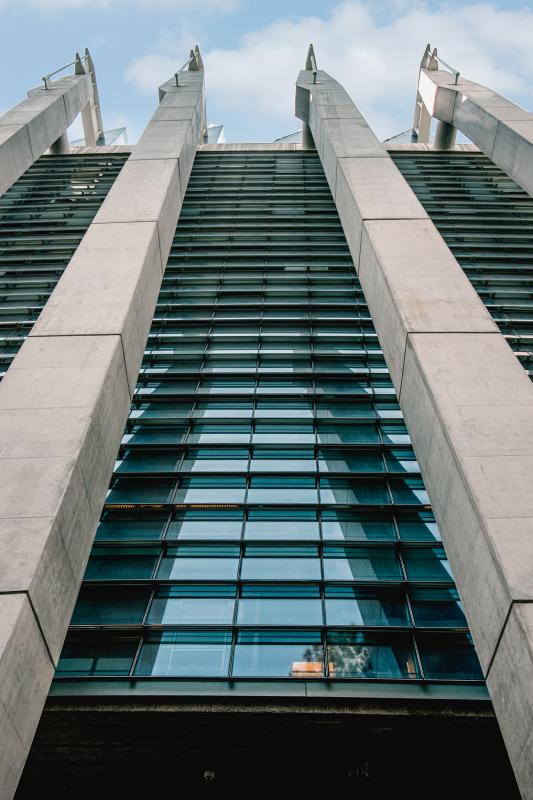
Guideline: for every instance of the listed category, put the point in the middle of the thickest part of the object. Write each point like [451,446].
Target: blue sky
[253,51]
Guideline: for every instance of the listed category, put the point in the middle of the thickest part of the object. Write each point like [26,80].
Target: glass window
[199,562]
[211,489]
[410,491]
[294,562]
[427,564]
[280,605]
[140,490]
[437,608]
[219,523]
[362,655]
[419,526]
[354,525]
[95,656]
[203,604]
[329,433]
[109,606]
[338,460]
[121,563]
[279,654]
[360,564]
[281,524]
[449,657]
[123,526]
[349,605]
[185,654]
[341,490]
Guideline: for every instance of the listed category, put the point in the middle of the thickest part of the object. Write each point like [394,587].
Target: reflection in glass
[294,654]
[185,653]
[361,655]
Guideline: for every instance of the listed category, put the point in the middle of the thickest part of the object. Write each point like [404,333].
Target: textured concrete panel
[513,150]
[23,656]
[110,287]
[510,680]
[413,284]
[159,201]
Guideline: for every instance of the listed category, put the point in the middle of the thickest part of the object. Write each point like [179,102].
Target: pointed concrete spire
[433,61]
[199,59]
[310,61]
[79,69]
[425,57]
[193,64]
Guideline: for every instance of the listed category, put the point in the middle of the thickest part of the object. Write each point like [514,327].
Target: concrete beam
[63,406]
[31,127]
[467,401]
[501,129]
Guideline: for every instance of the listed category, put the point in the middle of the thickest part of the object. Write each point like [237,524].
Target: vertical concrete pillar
[467,401]
[63,406]
[445,136]
[61,145]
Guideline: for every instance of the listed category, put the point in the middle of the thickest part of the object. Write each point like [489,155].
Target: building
[234,406]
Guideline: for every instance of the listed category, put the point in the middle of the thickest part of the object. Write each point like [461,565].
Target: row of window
[196,561]
[157,432]
[262,459]
[272,654]
[290,524]
[269,604]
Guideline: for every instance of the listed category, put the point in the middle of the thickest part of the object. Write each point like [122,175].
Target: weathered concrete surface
[501,129]
[63,406]
[30,128]
[467,401]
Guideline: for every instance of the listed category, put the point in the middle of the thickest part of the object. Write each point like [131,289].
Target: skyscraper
[235,349]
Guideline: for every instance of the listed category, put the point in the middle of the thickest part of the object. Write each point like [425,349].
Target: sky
[253,50]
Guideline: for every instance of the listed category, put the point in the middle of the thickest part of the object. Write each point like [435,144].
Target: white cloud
[373,49]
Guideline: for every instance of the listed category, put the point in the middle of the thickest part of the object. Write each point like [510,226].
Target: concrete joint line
[38,622]
[498,126]
[502,631]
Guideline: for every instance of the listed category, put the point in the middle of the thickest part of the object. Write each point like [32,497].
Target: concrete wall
[467,401]
[501,129]
[63,407]
[27,130]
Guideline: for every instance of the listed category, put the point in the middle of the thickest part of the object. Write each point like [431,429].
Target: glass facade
[43,218]
[485,219]
[266,517]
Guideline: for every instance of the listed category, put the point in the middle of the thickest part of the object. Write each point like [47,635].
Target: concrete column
[445,136]
[30,128]
[60,145]
[63,406]
[501,129]
[467,401]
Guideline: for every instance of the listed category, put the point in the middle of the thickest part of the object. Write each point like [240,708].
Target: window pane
[290,655]
[359,655]
[449,657]
[185,654]
[90,656]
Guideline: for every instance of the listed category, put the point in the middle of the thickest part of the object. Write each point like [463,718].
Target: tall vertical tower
[281,399]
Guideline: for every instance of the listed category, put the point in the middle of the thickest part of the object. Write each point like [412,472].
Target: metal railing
[435,55]
[46,78]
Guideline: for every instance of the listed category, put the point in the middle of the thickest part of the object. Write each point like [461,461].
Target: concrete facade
[65,398]
[467,401]
[34,125]
[501,129]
